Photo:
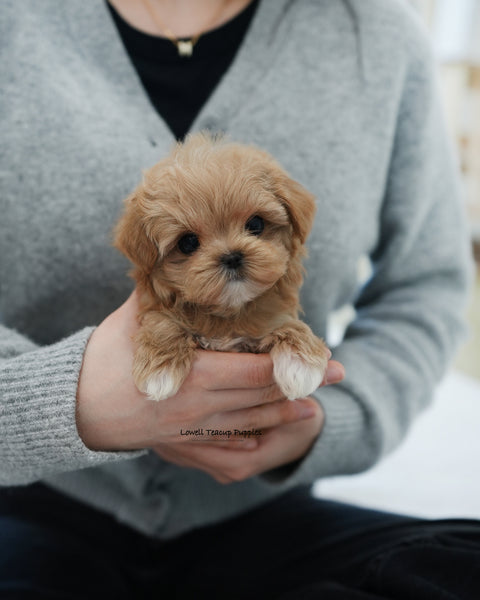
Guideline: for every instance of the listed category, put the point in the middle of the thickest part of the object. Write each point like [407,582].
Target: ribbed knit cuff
[340,448]
[38,433]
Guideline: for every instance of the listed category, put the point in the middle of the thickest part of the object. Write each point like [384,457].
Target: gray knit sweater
[342,94]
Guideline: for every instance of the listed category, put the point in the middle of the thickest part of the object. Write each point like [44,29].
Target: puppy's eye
[255,225]
[188,243]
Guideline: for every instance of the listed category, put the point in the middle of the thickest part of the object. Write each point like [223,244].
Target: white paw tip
[295,377]
[160,386]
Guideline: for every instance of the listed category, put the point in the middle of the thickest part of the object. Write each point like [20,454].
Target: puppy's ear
[131,237]
[298,201]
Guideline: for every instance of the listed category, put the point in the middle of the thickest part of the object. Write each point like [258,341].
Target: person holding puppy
[98,479]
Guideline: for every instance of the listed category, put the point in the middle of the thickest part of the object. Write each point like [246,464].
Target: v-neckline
[97,36]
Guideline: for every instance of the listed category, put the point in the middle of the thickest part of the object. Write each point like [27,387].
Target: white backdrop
[436,471]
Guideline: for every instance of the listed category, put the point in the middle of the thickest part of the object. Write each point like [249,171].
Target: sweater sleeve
[38,385]
[409,315]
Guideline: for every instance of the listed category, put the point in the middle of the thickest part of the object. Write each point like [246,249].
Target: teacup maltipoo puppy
[216,233]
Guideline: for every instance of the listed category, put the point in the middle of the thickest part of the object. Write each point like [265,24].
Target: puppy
[216,233]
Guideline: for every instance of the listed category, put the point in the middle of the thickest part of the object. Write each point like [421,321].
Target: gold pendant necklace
[184,46]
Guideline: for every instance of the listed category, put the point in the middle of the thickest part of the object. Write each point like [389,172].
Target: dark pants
[296,547]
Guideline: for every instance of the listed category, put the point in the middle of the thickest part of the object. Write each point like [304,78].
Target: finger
[266,416]
[223,463]
[280,445]
[237,441]
[243,426]
[126,315]
[232,370]
[131,304]
[219,401]
[277,446]
[289,442]
[334,374]
[187,455]
[188,461]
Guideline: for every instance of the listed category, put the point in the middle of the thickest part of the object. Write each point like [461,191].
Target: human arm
[38,384]
[410,313]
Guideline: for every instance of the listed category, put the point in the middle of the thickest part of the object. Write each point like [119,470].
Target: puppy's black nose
[232,261]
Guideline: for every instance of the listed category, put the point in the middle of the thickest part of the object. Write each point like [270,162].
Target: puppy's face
[226,253]
[215,224]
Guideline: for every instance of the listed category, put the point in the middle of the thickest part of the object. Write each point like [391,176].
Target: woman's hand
[223,392]
[265,449]
[277,431]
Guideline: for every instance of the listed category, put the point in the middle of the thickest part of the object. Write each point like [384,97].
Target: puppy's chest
[228,344]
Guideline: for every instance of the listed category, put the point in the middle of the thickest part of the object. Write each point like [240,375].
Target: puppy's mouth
[234,276]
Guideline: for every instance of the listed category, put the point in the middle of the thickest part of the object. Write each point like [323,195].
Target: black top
[178,86]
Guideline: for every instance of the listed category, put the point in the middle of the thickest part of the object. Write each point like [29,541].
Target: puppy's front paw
[295,377]
[161,385]
[163,356]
